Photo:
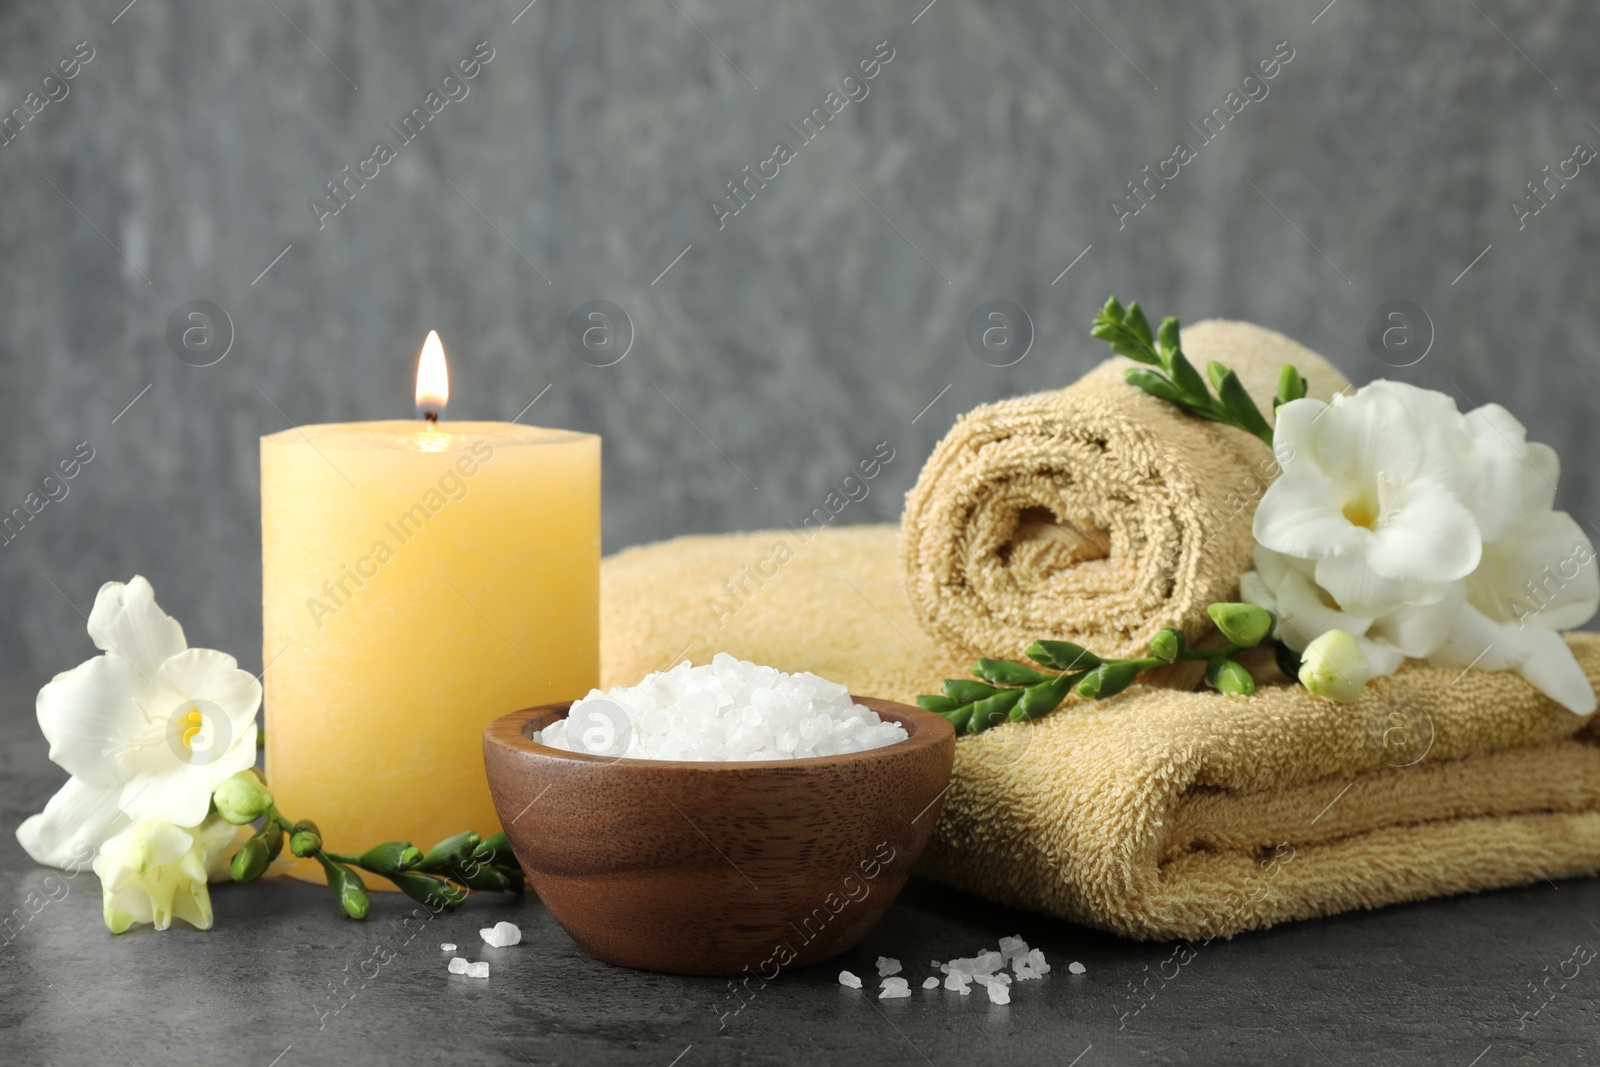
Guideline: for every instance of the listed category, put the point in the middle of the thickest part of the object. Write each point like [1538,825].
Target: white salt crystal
[725,710]
[894,988]
[1024,971]
[477,970]
[848,979]
[887,966]
[930,983]
[1037,962]
[999,993]
[447,947]
[957,982]
[501,935]
[458,966]
[1013,947]
[1076,968]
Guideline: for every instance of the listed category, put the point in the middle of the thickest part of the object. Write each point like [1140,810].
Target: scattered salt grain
[1013,948]
[501,935]
[447,947]
[957,982]
[1076,968]
[1037,962]
[458,965]
[930,983]
[894,988]
[848,979]
[728,709]
[887,966]
[477,970]
[999,992]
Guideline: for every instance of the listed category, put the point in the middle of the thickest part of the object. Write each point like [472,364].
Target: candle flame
[433,377]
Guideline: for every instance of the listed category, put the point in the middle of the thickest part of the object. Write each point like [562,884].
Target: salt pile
[728,709]
[501,935]
[986,969]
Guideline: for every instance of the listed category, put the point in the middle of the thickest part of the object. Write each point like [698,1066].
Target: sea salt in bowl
[717,866]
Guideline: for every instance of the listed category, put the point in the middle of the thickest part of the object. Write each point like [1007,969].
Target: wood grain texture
[718,868]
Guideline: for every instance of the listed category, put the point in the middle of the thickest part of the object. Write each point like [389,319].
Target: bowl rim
[924,729]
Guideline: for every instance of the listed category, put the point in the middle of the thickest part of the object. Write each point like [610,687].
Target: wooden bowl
[718,868]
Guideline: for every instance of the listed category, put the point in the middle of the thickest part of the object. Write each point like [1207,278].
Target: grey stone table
[282,980]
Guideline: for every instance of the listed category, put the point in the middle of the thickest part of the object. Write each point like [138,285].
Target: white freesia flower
[1334,667]
[1424,533]
[147,730]
[154,871]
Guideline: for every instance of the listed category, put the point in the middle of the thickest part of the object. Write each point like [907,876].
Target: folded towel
[1095,513]
[1158,813]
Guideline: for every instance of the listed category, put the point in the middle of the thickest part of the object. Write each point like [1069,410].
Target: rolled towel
[1095,513]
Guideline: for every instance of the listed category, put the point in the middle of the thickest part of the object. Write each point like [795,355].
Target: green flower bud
[941,705]
[1333,666]
[1043,698]
[1062,655]
[390,857]
[1107,680]
[346,885]
[993,710]
[1243,624]
[495,847]
[242,799]
[486,877]
[434,892]
[1167,645]
[1005,672]
[273,833]
[452,852]
[306,839]
[1290,386]
[250,861]
[966,692]
[1157,385]
[1226,676]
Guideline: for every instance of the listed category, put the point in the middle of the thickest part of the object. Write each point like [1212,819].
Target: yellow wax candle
[418,581]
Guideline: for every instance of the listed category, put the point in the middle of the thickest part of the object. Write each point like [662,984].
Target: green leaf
[1005,672]
[1136,322]
[1236,401]
[1167,338]
[967,691]
[1290,386]
[993,711]
[942,705]
[1226,676]
[1062,655]
[1156,384]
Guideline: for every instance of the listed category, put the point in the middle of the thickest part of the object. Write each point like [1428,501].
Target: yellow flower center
[195,725]
[1361,513]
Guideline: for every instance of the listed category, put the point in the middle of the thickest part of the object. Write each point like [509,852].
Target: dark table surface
[282,979]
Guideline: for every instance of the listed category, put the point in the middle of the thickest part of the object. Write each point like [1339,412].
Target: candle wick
[432,417]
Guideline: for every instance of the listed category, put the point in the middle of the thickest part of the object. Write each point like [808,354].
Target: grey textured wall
[820,320]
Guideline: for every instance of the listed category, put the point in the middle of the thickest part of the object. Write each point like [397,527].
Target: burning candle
[419,579]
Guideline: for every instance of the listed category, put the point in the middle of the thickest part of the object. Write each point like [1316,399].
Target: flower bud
[305,840]
[390,857]
[1062,655]
[1167,645]
[1333,666]
[1005,672]
[242,799]
[1243,624]
[1107,680]
[1226,676]
[347,886]
[451,852]
[250,861]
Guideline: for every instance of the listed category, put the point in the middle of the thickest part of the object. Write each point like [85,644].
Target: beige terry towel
[1159,814]
[1096,513]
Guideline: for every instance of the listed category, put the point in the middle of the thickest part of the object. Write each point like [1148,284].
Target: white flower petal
[1357,588]
[1383,659]
[1415,630]
[1424,535]
[91,715]
[127,622]
[1543,574]
[1554,671]
[74,824]
[1292,432]
[1544,472]
[1369,431]
[1475,640]
[181,793]
[1300,515]
[147,844]
[1502,443]
[1304,616]
[215,677]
